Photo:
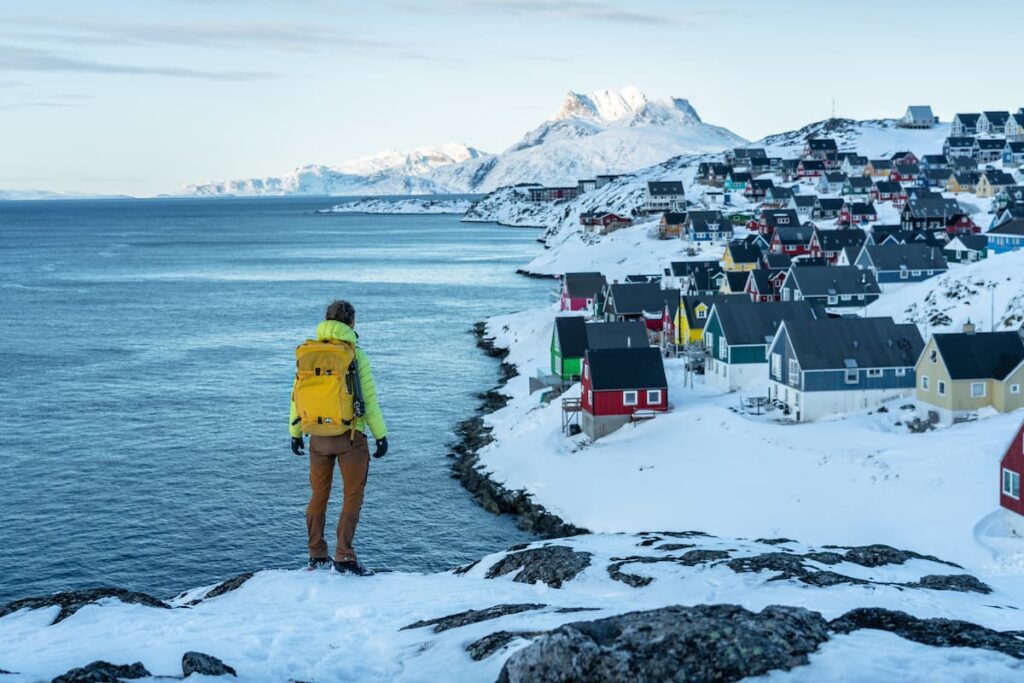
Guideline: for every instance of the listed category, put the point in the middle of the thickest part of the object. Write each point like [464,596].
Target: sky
[128,97]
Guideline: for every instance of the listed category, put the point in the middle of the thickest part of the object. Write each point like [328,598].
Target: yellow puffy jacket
[332,329]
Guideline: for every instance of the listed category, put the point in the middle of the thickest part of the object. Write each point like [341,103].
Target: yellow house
[693,313]
[991,182]
[878,168]
[962,182]
[960,373]
[740,256]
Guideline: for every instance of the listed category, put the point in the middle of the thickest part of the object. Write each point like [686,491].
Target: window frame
[1008,490]
[1014,388]
[874,372]
[901,372]
[924,383]
[984,390]
[656,392]
[853,373]
[940,388]
[625,399]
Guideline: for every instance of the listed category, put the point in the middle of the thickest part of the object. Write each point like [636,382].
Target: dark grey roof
[937,207]
[831,203]
[774,261]
[934,159]
[664,187]
[680,268]
[690,302]
[968,119]
[739,176]
[796,235]
[637,297]
[803,200]
[880,233]
[616,335]
[891,186]
[775,218]
[812,164]
[924,193]
[708,221]
[896,156]
[835,176]
[881,163]
[937,174]
[618,369]
[762,183]
[780,192]
[999,177]
[584,285]
[844,343]
[1016,147]
[997,118]
[861,209]
[907,169]
[859,182]
[674,218]
[967,177]
[572,335]
[752,323]
[744,252]
[750,153]
[641,277]
[893,257]
[836,240]
[833,280]
[982,355]
[856,159]
[761,280]
[737,279]
[1013,227]
[960,141]
[969,241]
[990,143]
[822,144]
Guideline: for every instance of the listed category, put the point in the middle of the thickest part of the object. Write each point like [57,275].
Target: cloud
[565,9]
[15,58]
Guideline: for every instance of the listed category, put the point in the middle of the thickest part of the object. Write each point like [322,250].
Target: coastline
[474,434]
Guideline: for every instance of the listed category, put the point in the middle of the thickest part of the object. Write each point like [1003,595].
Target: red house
[889,191]
[580,291]
[856,213]
[619,386]
[798,241]
[761,286]
[1011,469]
[904,173]
[810,168]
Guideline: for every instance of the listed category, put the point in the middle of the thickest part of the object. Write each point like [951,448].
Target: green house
[737,336]
[568,343]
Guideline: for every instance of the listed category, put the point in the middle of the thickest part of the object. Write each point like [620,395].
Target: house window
[901,372]
[941,388]
[709,342]
[1011,484]
[845,297]
[586,371]
[723,348]
[933,355]
[915,273]
[629,398]
[702,312]
[874,372]
[590,398]
[924,382]
[777,365]
[833,299]
[852,376]
[1014,388]
[903,273]
[977,389]
[653,397]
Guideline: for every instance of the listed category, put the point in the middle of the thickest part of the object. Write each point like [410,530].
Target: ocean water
[146,359]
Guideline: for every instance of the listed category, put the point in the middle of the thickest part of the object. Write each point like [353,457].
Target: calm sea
[146,359]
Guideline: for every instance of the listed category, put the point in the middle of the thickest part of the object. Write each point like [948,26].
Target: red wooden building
[1011,470]
[581,291]
[796,241]
[619,386]
[857,213]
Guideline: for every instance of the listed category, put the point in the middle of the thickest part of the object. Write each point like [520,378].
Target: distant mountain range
[608,131]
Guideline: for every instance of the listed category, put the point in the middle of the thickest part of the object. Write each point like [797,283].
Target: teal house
[736,339]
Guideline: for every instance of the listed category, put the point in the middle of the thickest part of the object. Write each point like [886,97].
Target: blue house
[902,262]
[820,367]
[1008,236]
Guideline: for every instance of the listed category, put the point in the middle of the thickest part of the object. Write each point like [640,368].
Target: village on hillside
[785,258]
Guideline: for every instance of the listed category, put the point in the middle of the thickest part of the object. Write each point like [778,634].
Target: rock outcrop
[551,564]
[103,672]
[72,601]
[205,665]
[473,616]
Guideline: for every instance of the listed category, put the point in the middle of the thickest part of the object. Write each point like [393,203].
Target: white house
[664,195]
[918,116]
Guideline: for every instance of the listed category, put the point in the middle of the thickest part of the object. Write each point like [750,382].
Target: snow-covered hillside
[610,131]
[873,138]
[801,612]
[402,206]
[388,173]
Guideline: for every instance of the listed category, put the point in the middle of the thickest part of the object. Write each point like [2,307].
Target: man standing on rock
[334,400]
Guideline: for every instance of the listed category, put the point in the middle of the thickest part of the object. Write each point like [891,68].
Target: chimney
[629,342]
[969,327]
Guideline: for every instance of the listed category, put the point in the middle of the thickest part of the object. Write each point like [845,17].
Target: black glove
[297,445]
[382,448]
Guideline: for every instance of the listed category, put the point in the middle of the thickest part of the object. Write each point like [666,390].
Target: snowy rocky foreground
[644,607]
[411,205]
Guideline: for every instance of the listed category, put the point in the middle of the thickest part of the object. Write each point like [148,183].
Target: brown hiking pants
[353,456]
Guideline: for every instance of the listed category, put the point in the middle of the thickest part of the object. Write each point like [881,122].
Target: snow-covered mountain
[608,131]
[389,172]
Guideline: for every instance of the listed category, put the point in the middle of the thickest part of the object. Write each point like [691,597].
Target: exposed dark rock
[775,541]
[473,616]
[103,672]
[206,665]
[879,555]
[465,568]
[963,583]
[668,547]
[701,643]
[649,541]
[220,589]
[551,564]
[489,644]
[571,610]
[824,557]
[695,557]
[935,632]
[491,400]
[824,579]
[788,566]
[684,534]
[634,580]
[72,601]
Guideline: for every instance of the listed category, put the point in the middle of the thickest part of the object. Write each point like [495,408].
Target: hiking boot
[319,562]
[351,567]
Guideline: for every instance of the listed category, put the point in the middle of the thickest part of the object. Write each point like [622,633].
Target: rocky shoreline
[474,434]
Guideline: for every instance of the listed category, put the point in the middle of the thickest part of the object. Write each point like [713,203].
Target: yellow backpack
[327,394]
